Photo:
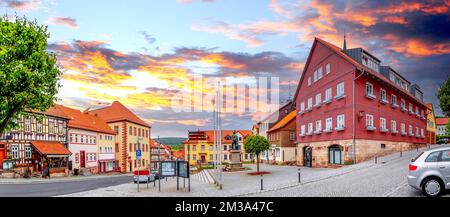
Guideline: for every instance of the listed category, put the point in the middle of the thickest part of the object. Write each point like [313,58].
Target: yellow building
[131,131]
[431,125]
[199,147]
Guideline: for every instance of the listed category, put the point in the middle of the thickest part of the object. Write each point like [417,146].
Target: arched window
[335,154]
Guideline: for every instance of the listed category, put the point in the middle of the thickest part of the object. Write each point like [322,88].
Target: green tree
[29,75]
[256,145]
[443,95]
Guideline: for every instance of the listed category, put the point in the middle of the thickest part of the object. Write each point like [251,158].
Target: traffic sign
[138,154]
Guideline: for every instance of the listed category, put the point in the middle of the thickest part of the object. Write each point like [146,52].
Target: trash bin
[75,172]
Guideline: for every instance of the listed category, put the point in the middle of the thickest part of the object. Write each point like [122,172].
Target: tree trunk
[257,163]
[8,118]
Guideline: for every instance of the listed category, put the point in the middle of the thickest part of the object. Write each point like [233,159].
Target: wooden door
[82,159]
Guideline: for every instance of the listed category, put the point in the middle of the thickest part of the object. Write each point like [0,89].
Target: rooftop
[118,112]
[80,120]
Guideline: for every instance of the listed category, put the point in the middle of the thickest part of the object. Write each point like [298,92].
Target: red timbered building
[39,141]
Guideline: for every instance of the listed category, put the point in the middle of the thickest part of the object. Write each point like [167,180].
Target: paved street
[59,187]
[367,179]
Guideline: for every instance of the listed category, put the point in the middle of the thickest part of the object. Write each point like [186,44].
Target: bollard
[376,159]
[417,148]
[401,153]
[429,147]
[299,178]
[262,182]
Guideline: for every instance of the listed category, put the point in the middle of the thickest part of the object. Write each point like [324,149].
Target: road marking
[390,192]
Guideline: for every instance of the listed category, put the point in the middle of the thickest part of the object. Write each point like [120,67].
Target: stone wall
[365,150]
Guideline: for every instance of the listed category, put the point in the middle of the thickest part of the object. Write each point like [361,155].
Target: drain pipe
[353,119]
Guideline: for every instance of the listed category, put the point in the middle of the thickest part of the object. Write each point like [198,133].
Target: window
[340,122]
[340,90]
[135,131]
[410,130]
[211,147]
[27,151]
[318,99]
[411,108]
[328,124]
[202,147]
[130,148]
[211,157]
[116,129]
[302,130]
[194,147]
[328,95]
[421,132]
[310,102]
[225,147]
[417,111]
[369,122]
[383,124]
[292,136]
[445,156]
[39,126]
[383,146]
[315,76]
[310,128]
[131,130]
[194,157]
[302,107]
[383,96]
[27,125]
[15,152]
[403,128]
[433,157]
[318,126]
[327,69]
[403,104]
[394,100]
[369,90]
[139,132]
[394,126]
[309,81]
[319,73]
[225,157]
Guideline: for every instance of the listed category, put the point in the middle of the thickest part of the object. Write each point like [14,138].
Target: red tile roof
[53,111]
[339,51]
[50,148]
[442,121]
[283,122]
[179,154]
[118,112]
[84,121]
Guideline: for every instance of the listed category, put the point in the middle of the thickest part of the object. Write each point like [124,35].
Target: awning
[51,149]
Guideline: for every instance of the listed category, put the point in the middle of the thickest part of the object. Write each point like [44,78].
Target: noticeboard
[183,169]
[168,168]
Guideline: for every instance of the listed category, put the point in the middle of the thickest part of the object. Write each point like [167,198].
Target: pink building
[351,108]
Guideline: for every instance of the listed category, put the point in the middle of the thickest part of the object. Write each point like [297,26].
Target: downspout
[354,121]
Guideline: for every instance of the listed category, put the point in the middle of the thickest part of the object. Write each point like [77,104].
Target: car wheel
[432,187]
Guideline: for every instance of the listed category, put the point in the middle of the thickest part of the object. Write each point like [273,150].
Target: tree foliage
[443,95]
[29,75]
[256,144]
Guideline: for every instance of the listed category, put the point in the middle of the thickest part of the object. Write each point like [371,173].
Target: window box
[384,130]
[318,132]
[302,135]
[411,134]
[370,128]
[309,109]
[339,128]
[301,112]
[370,96]
[338,97]
[327,101]
[411,112]
[383,101]
[309,133]
[317,105]
[394,105]
[403,109]
[394,132]
[328,130]
[403,133]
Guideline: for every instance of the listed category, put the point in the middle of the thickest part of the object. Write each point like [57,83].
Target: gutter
[353,119]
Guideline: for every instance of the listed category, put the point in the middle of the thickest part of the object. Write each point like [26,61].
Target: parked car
[430,171]
[144,176]
[443,141]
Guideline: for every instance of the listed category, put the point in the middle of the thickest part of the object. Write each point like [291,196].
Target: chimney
[345,43]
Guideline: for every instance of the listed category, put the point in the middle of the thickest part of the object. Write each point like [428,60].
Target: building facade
[199,147]
[430,136]
[282,140]
[132,134]
[351,109]
[39,141]
[441,126]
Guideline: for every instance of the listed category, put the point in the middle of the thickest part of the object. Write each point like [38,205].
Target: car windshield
[414,159]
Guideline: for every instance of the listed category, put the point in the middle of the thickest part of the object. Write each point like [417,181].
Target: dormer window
[227,137]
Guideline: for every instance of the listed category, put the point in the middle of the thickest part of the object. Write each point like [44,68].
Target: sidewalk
[58,179]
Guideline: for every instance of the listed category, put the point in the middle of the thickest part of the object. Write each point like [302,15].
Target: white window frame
[318,126]
[315,76]
[302,130]
[383,95]
[302,107]
[318,99]
[340,122]
[328,95]
[340,90]
[327,69]
[310,128]
[309,81]
[370,91]
[319,73]
[329,124]
[383,124]
[369,122]
[310,103]
[394,126]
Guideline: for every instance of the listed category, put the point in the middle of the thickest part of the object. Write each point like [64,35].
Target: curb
[60,180]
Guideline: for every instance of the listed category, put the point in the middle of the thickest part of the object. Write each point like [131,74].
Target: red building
[350,108]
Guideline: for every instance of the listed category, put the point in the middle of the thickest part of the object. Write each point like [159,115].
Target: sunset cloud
[65,21]
[23,5]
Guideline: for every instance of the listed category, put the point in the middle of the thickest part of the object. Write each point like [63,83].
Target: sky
[146,53]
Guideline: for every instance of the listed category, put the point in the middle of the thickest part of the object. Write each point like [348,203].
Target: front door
[203,158]
[82,159]
[307,156]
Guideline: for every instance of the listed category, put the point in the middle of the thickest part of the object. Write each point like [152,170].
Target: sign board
[138,154]
[183,169]
[168,168]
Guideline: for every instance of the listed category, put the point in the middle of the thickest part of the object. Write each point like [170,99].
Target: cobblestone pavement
[387,178]
[59,179]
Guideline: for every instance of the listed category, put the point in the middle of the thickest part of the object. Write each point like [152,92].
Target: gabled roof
[118,112]
[84,121]
[50,148]
[339,51]
[54,111]
[442,121]
[429,108]
[283,122]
